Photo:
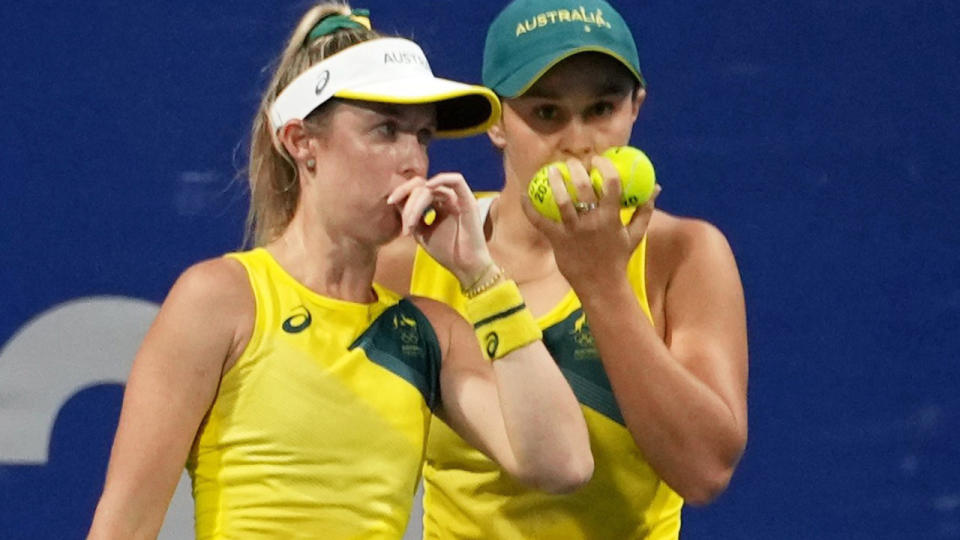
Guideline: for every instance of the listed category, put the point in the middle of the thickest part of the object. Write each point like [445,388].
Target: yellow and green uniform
[469,496]
[319,429]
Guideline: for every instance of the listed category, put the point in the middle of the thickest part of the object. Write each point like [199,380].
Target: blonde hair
[273,177]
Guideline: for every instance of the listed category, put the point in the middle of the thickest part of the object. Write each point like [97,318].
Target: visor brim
[462,109]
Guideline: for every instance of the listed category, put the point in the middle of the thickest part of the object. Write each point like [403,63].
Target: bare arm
[519,411]
[171,386]
[683,400]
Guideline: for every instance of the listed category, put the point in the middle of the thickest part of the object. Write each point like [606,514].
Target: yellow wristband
[501,320]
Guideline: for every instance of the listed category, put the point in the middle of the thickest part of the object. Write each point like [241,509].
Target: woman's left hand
[454,237]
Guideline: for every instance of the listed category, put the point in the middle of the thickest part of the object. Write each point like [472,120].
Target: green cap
[531,36]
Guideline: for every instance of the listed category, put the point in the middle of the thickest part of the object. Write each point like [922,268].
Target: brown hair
[274,182]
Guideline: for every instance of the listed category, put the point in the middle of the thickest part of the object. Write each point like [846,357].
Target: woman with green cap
[298,392]
[646,319]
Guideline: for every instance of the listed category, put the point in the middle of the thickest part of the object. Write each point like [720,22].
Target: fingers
[455,235]
[452,180]
[403,190]
[581,182]
[610,181]
[453,192]
[583,194]
[568,214]
[416,204]
[407,202]
[447,198]
[548,226]
[417,197]
[463,202]
[641,217]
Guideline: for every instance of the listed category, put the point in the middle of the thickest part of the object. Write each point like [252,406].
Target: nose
[577,141]
[415,161]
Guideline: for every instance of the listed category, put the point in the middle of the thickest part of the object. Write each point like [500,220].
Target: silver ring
[583,208]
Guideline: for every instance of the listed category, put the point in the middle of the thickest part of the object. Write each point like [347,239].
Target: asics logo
[322,81]
[491,343]
[298,322]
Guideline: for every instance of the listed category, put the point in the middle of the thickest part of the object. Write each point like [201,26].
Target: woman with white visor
[296,390]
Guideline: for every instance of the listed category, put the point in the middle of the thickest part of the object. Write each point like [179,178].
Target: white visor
[388,70]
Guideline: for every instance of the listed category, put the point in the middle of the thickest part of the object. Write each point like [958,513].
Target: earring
[311,163]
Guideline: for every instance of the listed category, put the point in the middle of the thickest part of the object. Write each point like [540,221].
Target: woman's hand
[454,236]
[594,237]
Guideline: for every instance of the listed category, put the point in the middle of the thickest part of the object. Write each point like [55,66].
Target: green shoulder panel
[571,345]
[402,340]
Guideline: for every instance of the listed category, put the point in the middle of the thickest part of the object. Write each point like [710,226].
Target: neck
[511,226]
[330,264]
[519,247]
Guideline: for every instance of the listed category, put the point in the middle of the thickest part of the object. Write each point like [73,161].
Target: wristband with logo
[501,320]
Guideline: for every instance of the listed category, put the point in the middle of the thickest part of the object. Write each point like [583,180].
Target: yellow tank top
[319,429]
[466,495]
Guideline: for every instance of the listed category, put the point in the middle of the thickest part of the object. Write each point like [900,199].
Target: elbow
[706,489]
[571,477]
[707,483]
[711,481]
[563,478]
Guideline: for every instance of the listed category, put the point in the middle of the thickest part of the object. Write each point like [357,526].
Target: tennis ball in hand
[542,196]
[637,180]
[637,177]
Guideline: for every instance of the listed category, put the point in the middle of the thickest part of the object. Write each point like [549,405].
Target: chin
[387,228]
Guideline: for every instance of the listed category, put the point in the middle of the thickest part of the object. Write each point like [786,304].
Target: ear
[495,132]
[638,97]
[295,139]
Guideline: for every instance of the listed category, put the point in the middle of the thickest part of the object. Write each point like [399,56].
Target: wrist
[501,319]
[602,293]
[589,271]
[480,280]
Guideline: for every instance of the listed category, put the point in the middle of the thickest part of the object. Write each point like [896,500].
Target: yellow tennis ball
[542,196]
[637,179]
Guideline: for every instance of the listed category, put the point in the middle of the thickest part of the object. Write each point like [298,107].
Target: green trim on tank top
[572,346]
[402,341]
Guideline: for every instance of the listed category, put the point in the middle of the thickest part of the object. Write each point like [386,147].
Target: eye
[389,129]
[546,112]
[425,136]
[602,108]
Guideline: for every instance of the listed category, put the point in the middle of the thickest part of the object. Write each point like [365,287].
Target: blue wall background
[822,137]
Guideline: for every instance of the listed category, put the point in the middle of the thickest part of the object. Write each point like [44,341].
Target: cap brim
[521,80]
[462,109]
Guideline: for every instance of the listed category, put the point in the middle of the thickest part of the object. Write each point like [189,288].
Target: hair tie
[358,18]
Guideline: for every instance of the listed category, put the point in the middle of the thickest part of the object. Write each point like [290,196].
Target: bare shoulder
[214,295]
[215,282]
[453,331]
[673,240]
[459,349]
[442,317]
[687,257]
[395,264]
[678,233]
